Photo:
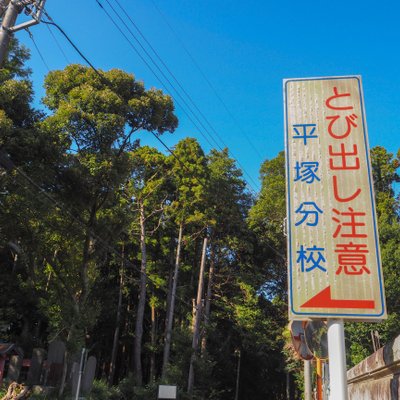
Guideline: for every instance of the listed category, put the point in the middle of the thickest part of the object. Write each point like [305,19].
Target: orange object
[319,378]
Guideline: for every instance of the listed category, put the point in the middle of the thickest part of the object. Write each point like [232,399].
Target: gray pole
[3,6]
[5,34]
[307,380]
[238,374]
[337,360]
[78,386]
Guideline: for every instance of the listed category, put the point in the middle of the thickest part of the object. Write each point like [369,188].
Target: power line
[57,43]
[153,72]
[178,83]
[104,79]
[37,49]
[204,76]
[107,82]
[167,79]
[164,65]
[51,22]
[176,80]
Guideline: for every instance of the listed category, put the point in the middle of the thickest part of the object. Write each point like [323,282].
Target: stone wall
[378,376]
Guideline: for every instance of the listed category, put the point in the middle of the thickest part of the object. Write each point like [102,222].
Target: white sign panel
[333,247]
[166,392]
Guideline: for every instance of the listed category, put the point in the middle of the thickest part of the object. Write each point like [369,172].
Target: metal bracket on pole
[35,15]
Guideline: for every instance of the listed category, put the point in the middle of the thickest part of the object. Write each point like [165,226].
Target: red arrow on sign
[324,299]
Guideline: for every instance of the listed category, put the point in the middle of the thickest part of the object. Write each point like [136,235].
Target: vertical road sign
[333,246]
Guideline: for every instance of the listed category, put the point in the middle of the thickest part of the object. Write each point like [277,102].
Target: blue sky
[245,49]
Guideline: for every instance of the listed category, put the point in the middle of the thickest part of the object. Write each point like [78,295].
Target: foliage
[385,166]
[101,391]
[89,223]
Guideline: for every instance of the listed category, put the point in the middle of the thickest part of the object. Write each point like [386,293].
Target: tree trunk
[170,280]
[65,364]
[123,371]
[196,325]
[170,311]
[207,308]
[88,249]
[137,344]
[117,322]
[153,338]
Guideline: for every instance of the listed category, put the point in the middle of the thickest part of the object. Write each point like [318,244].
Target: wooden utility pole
[198,314]
[207,307]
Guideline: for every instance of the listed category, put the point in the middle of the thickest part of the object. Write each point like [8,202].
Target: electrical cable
[211,86]
[163,64]
[169,81]
[51,22]
[57,43]
[198,68]
[107,82]
[155,73]
[38,50]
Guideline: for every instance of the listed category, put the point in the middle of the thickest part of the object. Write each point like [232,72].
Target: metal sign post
[337,360]
[334,264]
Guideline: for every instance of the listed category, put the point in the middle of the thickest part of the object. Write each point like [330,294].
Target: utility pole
[3,7]
[10,17]
[197,319]
[10,10]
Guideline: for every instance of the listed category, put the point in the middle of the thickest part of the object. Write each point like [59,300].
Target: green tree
[267,221]
[146,188]
[228,203]
[96,115]
[384,169]
[188,167]
[30,154]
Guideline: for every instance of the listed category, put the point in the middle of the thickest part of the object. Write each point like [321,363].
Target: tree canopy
[102,238]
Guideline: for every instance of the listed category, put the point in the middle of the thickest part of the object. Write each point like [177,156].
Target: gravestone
[55,363]
[35,370]
[56,352]
[14,368]
[74,377]
[89,374]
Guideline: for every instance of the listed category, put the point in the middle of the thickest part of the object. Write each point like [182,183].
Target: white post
[337,360]
[78,386]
